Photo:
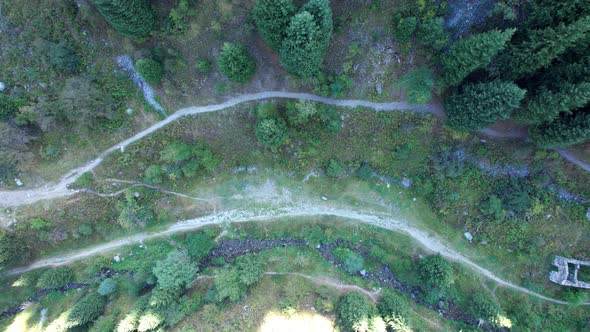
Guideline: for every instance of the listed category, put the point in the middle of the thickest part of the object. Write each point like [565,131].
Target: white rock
[18,182]
[363,272]
[117,258]
[136,194]
[2,86]
[468,236]
[122,148]
[414,199]
[129,111]
[588,214]
[324,198]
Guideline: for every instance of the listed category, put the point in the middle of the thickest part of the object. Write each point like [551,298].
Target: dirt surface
[429,242]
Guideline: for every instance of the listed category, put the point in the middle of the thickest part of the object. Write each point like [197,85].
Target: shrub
[266,111]
[40,223]
[431,33]
[351,261]
[300,112]
[176,271]
[271,132]
[250,269]
[132,18]
[353,312]
[107,287]
[335,169]
[390,305]
[150,70]
[576,296]
[482,306]
[436,272]
[447,165]
[236,63]
[176,152]
[228,285]
[86,310]
[330,118]
[55,278]
[418,84]
[162,297]
[204,66]
[133,213]
[153,174]
[493,207]
[63,57]
[85,229]
[198,245]
[404,28]
[8,248]
[8,106]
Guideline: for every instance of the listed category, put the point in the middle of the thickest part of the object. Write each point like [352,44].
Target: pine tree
[302,52]
[133,18]
[568,129]
[550,12]
[541,47]
[548,104]
[236,63]
[481,105]
[322,14]
[272,18]
[472,53]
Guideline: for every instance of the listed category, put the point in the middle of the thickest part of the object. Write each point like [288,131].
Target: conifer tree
[541,47]
[550,12]
[302,52]
[568,129]
[548,104]
[481,105]
[322,14]
[133,18]
[472,53]
[272,18]
[236,63]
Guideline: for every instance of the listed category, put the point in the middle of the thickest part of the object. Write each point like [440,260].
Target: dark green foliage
[250,269]
[364,172]
[107,287]
[564,131]
[55,278]
[481,105]
[204,66]
[8,106]
[335,169]
[576,296]
[179,16]
[482,306]
[153,174]
[133,212]
[163,297]
[436,272]
[8,248]
[85,230]
[447,165]
[541,47]
[176,271]
[471,53]
[271,132]
[83,103]
[418,84]
[86,310]
[391,306]
[431,33]
[299,113]
[351,261]
[322,14]
[272,18]
[150,70]
[302,52]
[199,244]
[133,18]
[404,28]
[175,152]
[550,13]
[63,57]
[515,194]
[236,63]
[546,105]
[353,311]
[493,207]
[266,111]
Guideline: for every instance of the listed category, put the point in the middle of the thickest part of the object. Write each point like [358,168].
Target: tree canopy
[272,18]
[236,63]
[133,18]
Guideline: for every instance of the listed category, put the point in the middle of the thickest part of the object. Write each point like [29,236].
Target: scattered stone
[136,194]
[122,148]
[129,111]
[588,214]
[318,246]
[324,198]
[468,236]
[117,258]
[465,213]
[18,182]
[2,86]
[379,88]
[363,272]
[483,141]
[407,183]
[548,216]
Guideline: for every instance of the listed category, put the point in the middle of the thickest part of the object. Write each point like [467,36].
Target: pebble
[324,198]
[117,258]
[468,236]
[2,86]
[18,182]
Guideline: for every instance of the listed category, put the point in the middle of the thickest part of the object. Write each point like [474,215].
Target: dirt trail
[426,240]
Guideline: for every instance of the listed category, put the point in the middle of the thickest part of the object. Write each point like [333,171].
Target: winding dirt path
[60,189]
[430,242]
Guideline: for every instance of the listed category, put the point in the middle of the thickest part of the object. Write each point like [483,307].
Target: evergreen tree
[547,105]
[481,105]
[550,12]
[272,18]
[472,53]
[541,47]
[322,14]
[133,18]
[568,129]
[404,28]
[236,63]
[302,52]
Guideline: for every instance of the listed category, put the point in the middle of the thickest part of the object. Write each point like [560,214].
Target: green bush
[176,152]
[133,213]
[431,33]
[483,307]
[418,84]
[85,229]
[299,113]
[493,207]
[40,223]
[176,271]
[153,174]
[266,111]
[63,57]
[228,285]
[8,248]
[199,244]
[436,272]
[150,70]
[271,132]
[8,106]
[391,306]
[364,172]
[250,269]
[86,310]
[351,261]
[132,18]
[353,312]
[204,66]
[335,169]
[55,278]
[447,165]
[107,287]
[404,28]
[236,63]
